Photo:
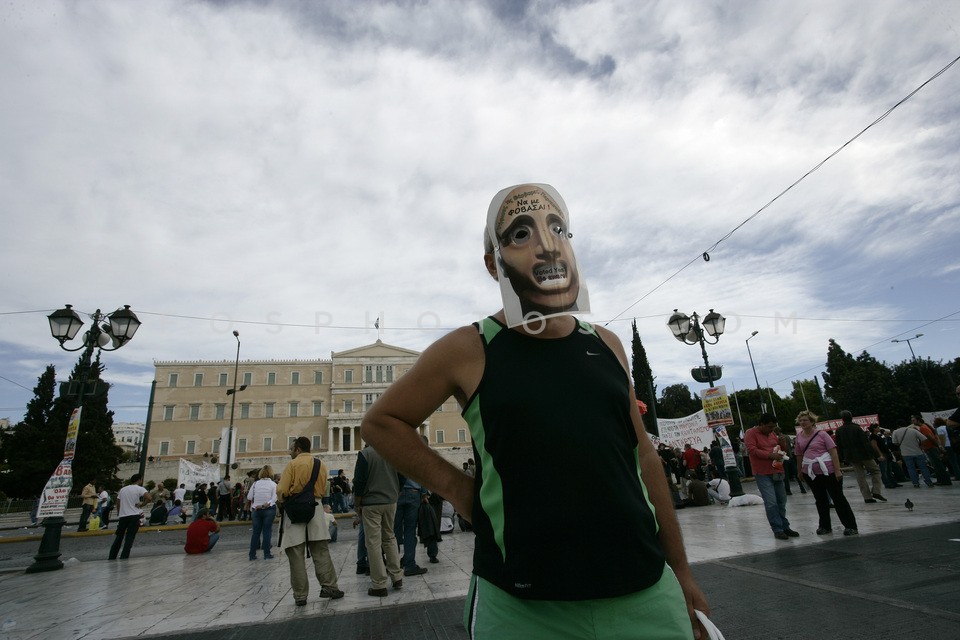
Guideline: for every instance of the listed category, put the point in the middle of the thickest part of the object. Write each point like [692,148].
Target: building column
[330,440]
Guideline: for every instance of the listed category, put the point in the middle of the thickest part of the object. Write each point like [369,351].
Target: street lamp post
[107,333]
[919,370]
[763,405]
[233,403]
[688,330]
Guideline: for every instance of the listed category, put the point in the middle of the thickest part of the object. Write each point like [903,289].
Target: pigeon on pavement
[908,505]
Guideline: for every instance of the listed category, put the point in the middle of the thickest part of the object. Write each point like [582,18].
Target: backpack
[301,507]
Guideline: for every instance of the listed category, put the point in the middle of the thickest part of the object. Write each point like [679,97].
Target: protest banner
[190,474]
[863,421]
[690,429]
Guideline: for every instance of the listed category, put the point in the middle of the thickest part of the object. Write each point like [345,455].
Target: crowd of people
[813,458]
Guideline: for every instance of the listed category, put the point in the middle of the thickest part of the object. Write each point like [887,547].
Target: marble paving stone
[121,598]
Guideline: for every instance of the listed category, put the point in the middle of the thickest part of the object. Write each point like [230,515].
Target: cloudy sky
[296,170]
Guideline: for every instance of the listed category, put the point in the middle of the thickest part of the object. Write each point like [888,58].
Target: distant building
[5,424]
[322,399]
[128,436]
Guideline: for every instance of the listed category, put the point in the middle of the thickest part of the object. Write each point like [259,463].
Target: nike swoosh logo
[590,353]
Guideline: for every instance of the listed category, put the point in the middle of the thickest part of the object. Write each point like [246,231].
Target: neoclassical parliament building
[322,399]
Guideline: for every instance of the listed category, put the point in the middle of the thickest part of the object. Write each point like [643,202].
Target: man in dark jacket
[854,448]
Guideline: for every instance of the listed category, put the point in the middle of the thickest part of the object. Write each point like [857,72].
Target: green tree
[863,386]
[643,386]
[32,449]
[676,401]
[97,456]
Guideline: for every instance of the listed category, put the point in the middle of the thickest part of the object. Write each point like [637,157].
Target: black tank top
[556,451]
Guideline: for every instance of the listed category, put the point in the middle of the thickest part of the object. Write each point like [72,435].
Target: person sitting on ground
[176,513]
[719,490]
[202,534]
[696,490]
[159,513]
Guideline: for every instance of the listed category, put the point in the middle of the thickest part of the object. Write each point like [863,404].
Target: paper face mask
[529,227]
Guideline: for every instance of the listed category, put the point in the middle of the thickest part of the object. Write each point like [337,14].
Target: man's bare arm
[452,366]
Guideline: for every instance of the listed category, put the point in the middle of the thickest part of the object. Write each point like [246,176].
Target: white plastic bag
[712,632]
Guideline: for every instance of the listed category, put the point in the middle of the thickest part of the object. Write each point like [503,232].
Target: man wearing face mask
[531,377]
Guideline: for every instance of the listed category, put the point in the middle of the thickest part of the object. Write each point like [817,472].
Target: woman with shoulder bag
[821,467]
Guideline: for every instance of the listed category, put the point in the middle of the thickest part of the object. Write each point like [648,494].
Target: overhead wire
[706,254]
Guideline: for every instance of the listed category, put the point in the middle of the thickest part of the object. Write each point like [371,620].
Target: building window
[295,377]
[318,377]
[168,412]
[173,379]
[348,375]
[248,378]
[389,373]
[221,409]
[194,412]
[268,409]
[191,447]
[198,379]
[223,379]
[379,373]
[244,410]
[368,400]
[317,408]
[271,378]
[268,444]
[241,445]
[461,435]
[290,442]
[317,442]
[164,448]
[438,435]
[368,373]
[348,406]
[294,409]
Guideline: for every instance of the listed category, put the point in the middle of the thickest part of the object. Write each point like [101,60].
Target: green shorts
[656,613]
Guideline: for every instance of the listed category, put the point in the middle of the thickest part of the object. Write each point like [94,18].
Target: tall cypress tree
[32,449]
[643,386]
[97,456]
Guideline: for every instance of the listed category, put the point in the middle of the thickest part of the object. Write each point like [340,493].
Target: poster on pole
[692,430]
[224,439]
[53,498]
[716,404]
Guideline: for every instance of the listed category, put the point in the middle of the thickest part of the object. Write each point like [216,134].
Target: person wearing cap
[532,377]
[202,534]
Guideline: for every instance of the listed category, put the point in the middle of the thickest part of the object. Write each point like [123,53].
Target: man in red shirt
[202,534]
[764,450]
[932,448]
[691,459]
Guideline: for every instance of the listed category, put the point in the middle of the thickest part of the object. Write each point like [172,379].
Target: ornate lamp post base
[48,557]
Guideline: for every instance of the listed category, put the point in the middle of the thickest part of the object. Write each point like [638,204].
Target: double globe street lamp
[692,330]
[108,332]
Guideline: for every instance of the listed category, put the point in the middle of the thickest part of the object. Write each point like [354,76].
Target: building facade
[322,399]
[128,436]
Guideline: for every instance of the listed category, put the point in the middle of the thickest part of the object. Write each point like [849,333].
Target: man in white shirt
[719,490]
[179,493]
[131,500]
